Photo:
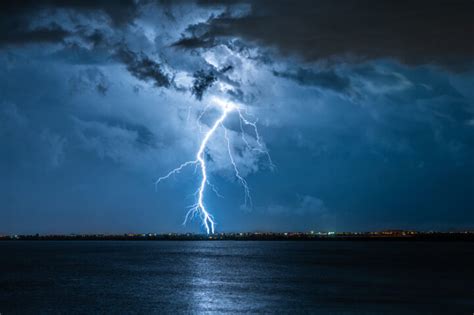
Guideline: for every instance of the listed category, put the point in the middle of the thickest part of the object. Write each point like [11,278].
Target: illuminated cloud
[364,121]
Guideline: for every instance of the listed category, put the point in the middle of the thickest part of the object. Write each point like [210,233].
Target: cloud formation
[202,81]
[415,32]
[144,68]
[349,97]
[16,27]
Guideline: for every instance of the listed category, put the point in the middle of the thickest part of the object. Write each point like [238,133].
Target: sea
[236,277]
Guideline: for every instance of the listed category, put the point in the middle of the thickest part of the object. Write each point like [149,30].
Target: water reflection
[236,277]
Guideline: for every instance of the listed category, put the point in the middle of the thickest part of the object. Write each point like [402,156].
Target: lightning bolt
[199,208]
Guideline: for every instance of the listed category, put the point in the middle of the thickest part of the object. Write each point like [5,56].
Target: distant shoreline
[371,236]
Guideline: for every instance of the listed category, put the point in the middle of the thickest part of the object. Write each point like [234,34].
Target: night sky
[365,107]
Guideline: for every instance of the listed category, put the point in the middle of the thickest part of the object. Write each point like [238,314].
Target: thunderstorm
[199,208]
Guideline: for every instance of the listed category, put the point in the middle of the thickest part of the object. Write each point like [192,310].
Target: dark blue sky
[366,108]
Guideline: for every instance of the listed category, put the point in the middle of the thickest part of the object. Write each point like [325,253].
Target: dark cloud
[120,11]
[193,42]
[414,32]
[95,37]
[196,36]
[143,68]
[16,18]
[226,69]
[395,141]
[17,36]
[323,79]
[202,81]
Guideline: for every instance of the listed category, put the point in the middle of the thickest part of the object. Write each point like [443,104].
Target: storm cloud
[415,32]
[366,109]
[144,68]
[17,27]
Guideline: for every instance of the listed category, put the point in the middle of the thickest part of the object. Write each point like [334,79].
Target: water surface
[182,277]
